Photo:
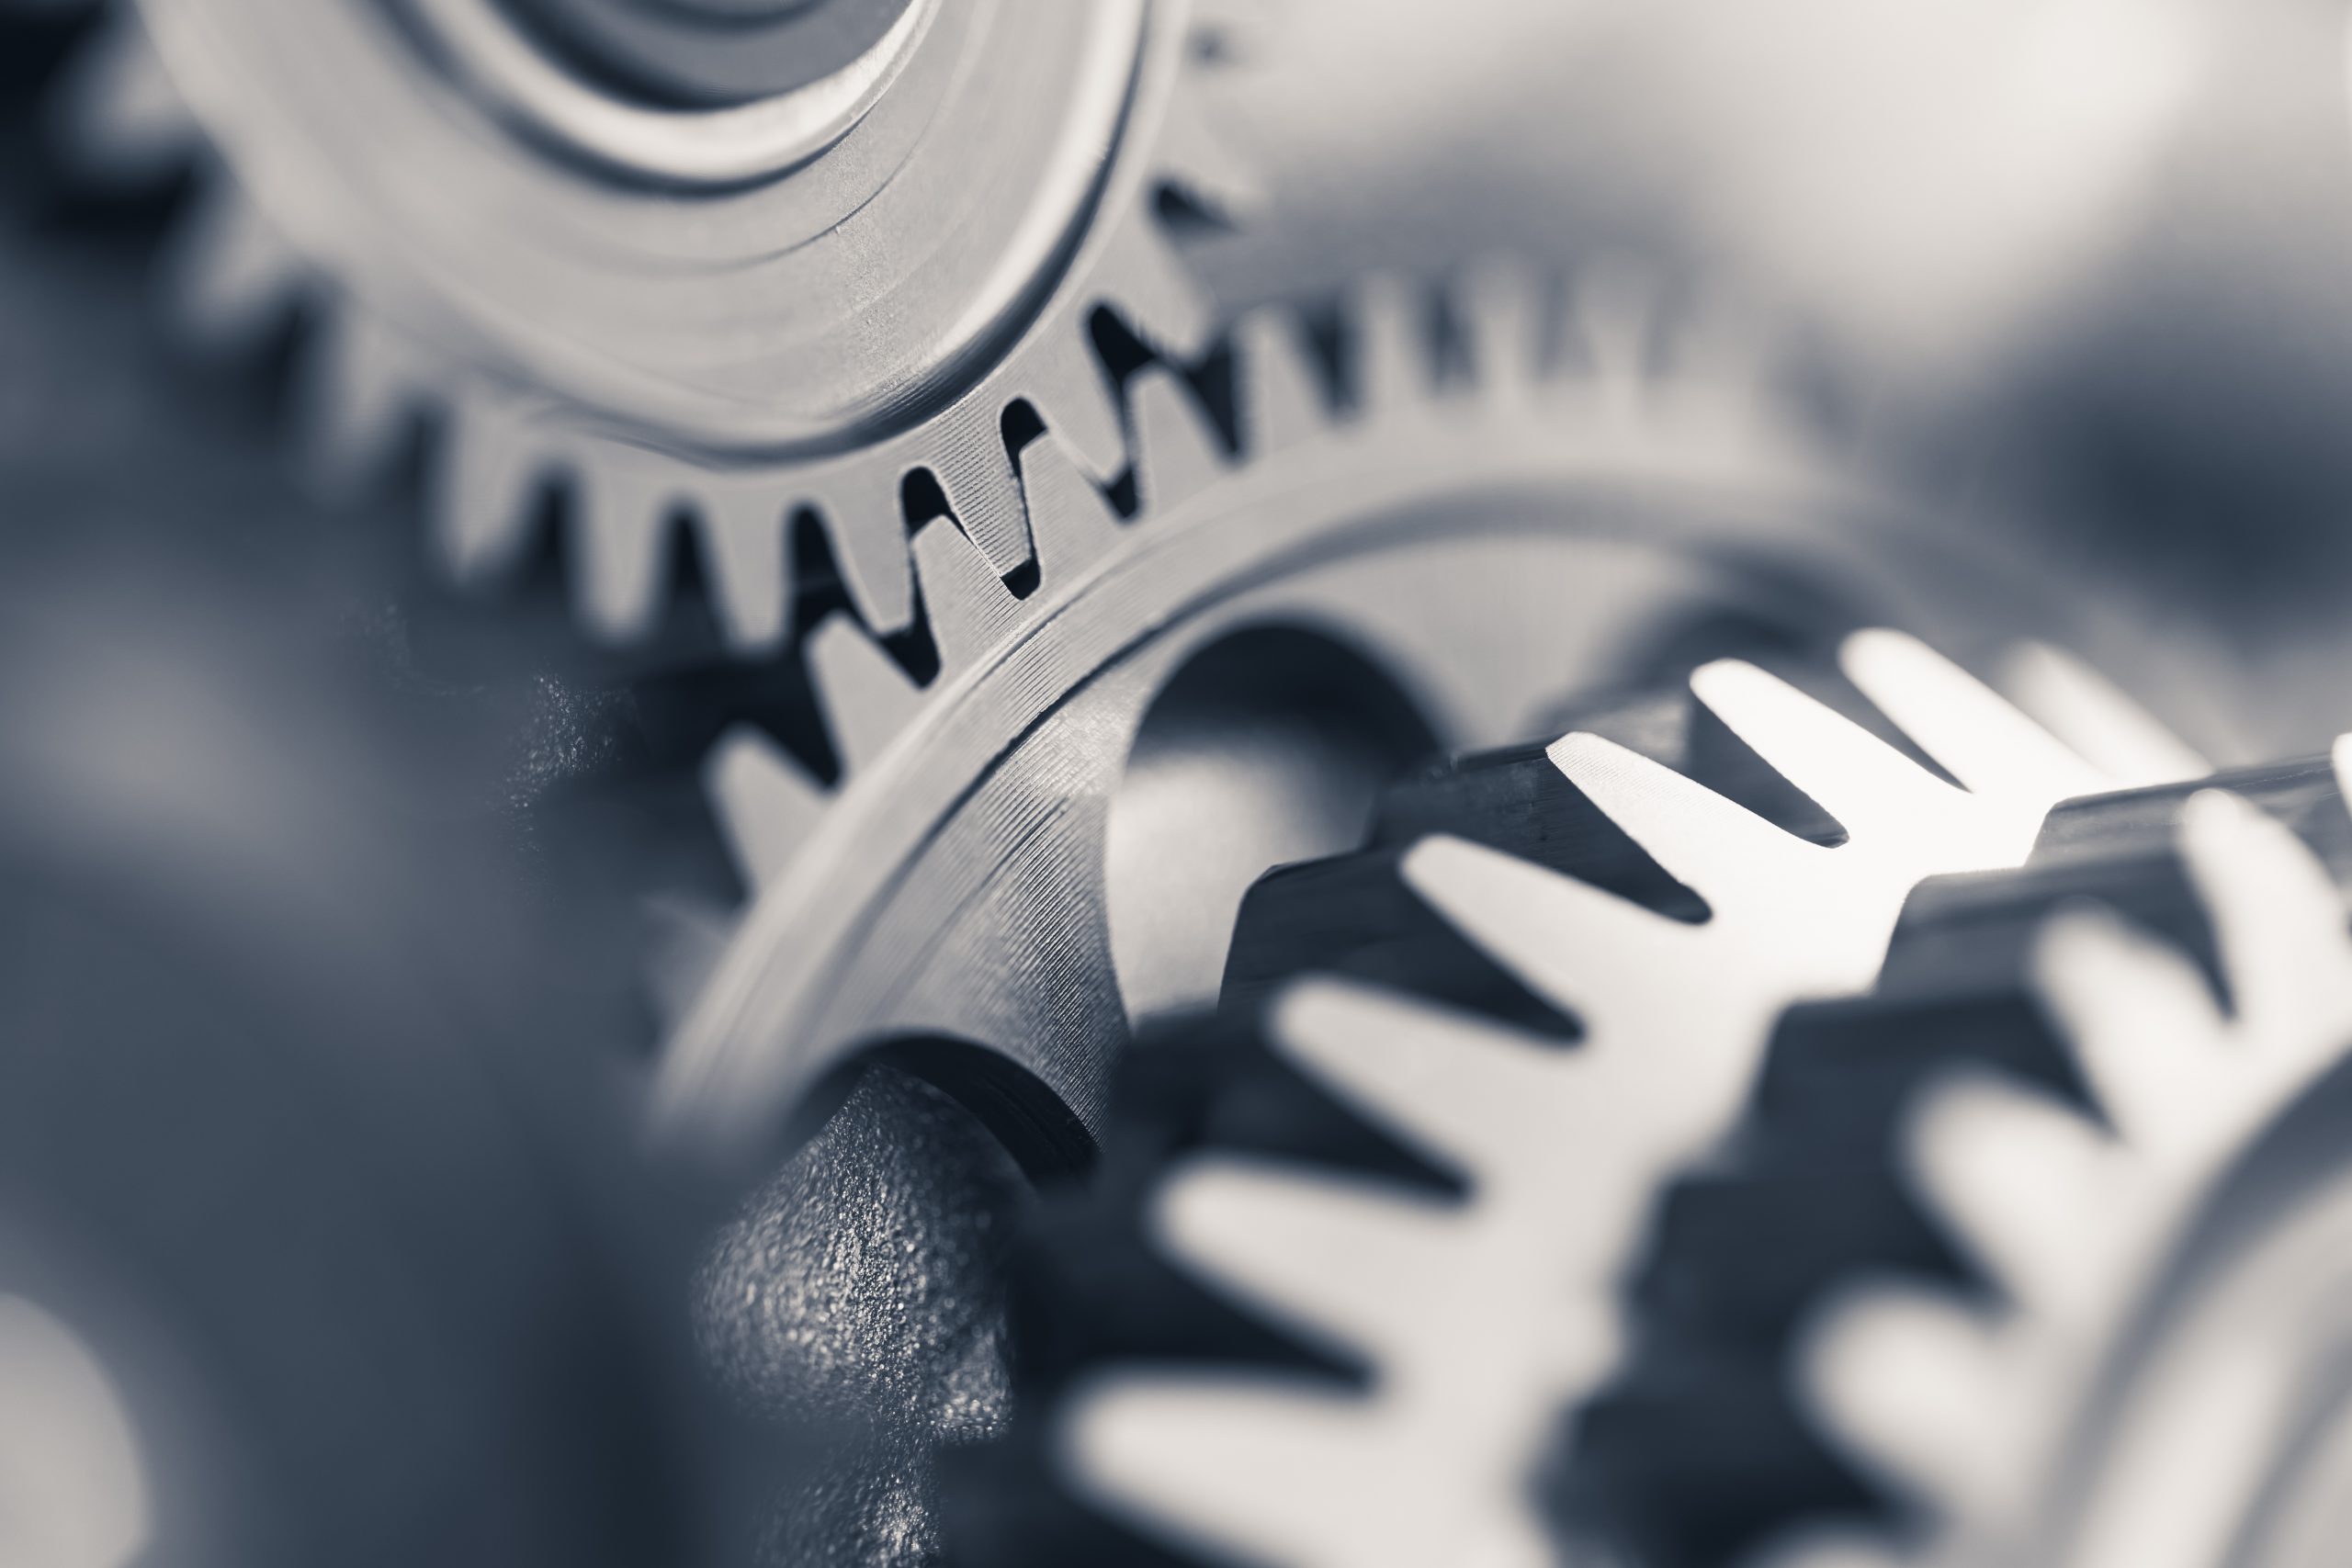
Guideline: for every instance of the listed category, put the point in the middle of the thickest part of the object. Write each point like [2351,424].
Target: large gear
[1471,1316]
[881,243]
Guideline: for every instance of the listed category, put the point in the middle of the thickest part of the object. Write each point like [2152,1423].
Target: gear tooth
[742,529]
[1907,1380]
[1141,277]
[689,938]
[1070,521]
[969,606]
[867,698]
[1612,323]
[976,473]
[1331,1255]
[766,804]
[1176,453]
[1190,156]
[364,385]
[1505,304]
[119,118]
[1392,362]
[859,505]
[622,506]
[2091,714]
[1282,402]
[486,477]
[231,276]
[1074,397]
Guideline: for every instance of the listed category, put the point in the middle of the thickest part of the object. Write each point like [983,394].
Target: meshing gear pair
[876,297]
[1386,1207]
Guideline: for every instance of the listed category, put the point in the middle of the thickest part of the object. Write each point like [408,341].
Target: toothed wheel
[1411,525]
[2036,1254]
[709,267]
[1357,1243]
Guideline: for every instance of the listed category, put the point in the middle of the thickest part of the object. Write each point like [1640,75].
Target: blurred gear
[2046,1127]
[1655,923]
[707,268]
[2147,1391]
[2056,1232]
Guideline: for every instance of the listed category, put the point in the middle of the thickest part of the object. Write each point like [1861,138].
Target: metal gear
[2076,1304]
[1503,496]
[1657,924]
[829,260]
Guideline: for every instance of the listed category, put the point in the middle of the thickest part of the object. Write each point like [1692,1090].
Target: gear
[1429,517]
[2074,1309]
[830,260]
[1471,1316]
[1483,545]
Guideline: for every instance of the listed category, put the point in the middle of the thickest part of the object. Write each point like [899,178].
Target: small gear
[2074,1305]
[704,269]
[1583,894]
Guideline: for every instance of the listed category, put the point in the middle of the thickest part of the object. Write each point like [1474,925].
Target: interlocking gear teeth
[237,277]
[1482,1320]
[1968,1408]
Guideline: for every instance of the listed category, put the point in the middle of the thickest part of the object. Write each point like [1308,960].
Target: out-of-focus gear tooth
[2140,1017]
[488,470]
[1331,1255]
[966,604]
[625,506]
[1904,1376]
[1391,367]
[1279,403]
[1194,159]
[1385,1051]
[743,527]
[873,562]
[119,116]
[1075,397]
[1223,1460]
[1176,452]
[1970,732]
[1503,304]
[689,938]
[2027,1182]
[766,804]
[976,474]
[1071,524]
[364,387]
[1164,304]
[867,698]
[2090,714]
[1613,321]
[231,276]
